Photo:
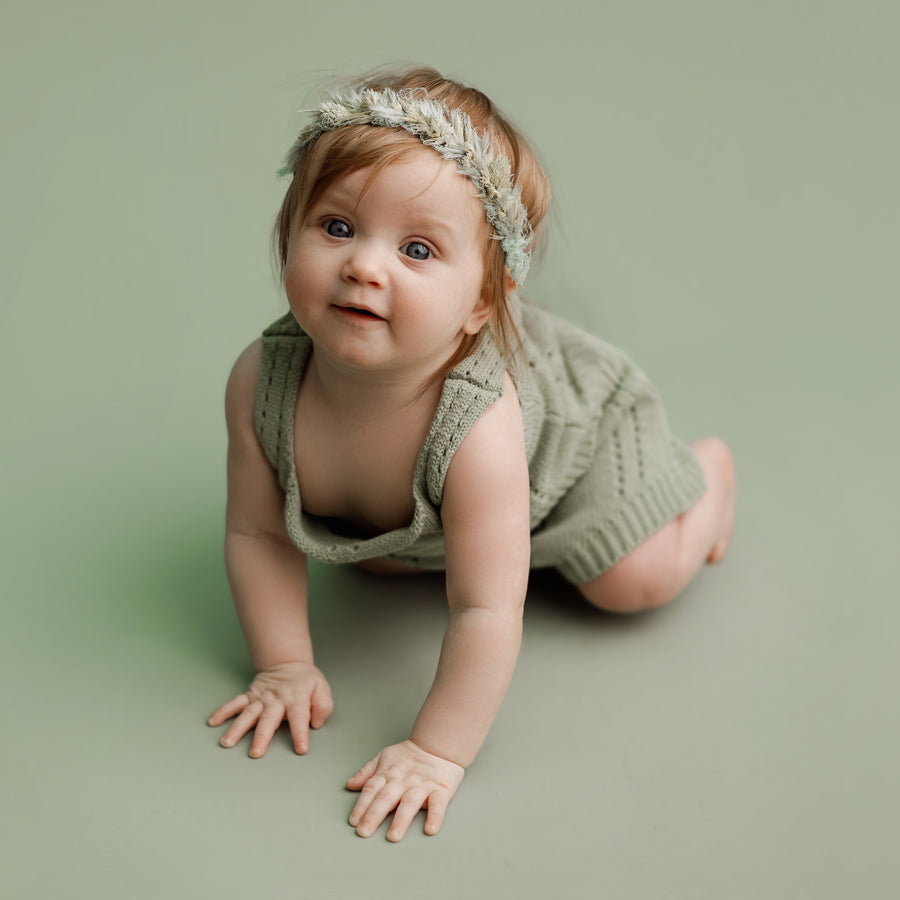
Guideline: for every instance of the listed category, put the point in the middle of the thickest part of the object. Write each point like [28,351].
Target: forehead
[420,181]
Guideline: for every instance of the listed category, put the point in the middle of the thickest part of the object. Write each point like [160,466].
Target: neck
[369,395]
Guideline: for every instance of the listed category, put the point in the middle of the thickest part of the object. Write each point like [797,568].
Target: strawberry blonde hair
[350,149]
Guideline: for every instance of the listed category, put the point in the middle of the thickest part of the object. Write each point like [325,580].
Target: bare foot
[718,466]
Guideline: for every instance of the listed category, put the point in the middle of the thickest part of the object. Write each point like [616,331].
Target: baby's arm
[267,575]
[485,515]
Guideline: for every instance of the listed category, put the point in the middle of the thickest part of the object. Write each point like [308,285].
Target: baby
[411,413]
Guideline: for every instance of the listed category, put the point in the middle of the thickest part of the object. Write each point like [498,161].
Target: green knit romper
[605,472]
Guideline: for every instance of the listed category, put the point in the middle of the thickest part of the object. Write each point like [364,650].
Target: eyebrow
[336,191]
[431,222]
[423,215]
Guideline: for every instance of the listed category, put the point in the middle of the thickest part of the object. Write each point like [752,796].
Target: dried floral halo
[451,133]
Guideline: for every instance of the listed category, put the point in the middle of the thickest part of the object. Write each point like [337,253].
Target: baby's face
[388,276]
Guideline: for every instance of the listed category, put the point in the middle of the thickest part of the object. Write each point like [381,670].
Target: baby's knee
[627,588]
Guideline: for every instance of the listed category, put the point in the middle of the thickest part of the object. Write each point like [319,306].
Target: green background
[728,211]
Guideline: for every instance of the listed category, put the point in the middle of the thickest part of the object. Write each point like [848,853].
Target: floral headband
[451,133]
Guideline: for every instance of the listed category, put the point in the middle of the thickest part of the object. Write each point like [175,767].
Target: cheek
[300,275]
[292,279]
[292,291]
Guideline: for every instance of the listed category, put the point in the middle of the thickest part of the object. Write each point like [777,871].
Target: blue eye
[337,228]
[416,250]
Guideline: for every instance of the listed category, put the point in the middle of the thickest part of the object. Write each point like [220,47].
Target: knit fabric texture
[605,471]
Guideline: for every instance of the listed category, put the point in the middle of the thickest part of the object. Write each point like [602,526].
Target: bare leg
[661,567]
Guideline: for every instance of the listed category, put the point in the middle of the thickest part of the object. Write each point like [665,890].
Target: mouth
[358,312]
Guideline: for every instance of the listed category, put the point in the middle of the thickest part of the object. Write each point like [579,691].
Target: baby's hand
[405,777]
[297,692]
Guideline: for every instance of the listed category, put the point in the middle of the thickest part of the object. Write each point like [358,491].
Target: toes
[717,554]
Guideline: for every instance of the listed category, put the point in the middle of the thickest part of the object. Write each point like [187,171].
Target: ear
[479,315]
[508,284]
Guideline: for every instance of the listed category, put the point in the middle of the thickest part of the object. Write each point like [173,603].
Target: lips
[360,312]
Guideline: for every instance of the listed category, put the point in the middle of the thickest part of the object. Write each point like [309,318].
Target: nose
[364,266]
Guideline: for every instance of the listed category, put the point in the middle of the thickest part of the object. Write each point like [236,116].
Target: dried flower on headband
[451,133]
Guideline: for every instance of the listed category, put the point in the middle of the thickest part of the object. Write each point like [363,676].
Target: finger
[229,709]
[322,706]
[437,808]
[355,782]
[409,806]
[242,724]
[367,795]
[384,802]
[298,720]
[265,729]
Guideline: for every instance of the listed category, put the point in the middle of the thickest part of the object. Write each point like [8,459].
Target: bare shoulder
[497,437]
[240,392]
[255,503]
[490,462]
